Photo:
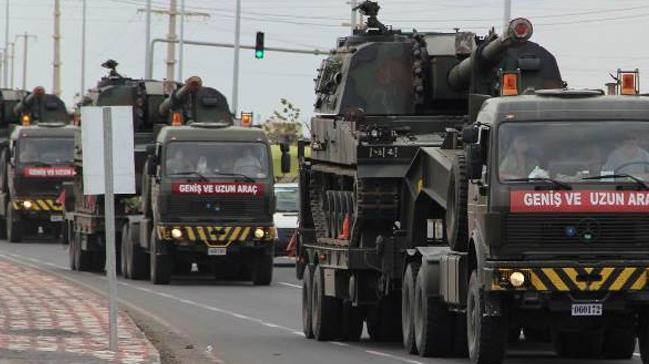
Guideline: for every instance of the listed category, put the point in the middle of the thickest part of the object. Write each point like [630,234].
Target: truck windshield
[572,151]
[287,198]
[45,150]
[216,159]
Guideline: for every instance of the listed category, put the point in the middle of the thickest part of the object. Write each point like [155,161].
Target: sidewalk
[44,319]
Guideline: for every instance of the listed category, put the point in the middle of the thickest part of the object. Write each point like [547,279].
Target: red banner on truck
[218,188]
[579,201]
[48,172]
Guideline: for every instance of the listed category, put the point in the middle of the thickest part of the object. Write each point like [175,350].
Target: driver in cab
[628,157]
[521,161]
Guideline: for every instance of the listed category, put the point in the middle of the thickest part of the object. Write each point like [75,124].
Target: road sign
[92,140]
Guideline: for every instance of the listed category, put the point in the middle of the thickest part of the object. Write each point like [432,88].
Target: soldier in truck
[521,159]
[628,157]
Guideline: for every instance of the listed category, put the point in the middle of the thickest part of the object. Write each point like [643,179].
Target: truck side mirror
[470,134]
[475,161]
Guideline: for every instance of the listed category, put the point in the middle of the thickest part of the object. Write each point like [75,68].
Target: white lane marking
[290,285]
[241,316]
[394,357]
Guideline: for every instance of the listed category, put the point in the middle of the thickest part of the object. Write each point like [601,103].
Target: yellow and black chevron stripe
[604,279]
[39,204]
[213,236]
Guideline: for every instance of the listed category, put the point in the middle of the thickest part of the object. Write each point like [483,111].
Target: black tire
[307,296]
[137,260]
[351,323]
[487,335]
[83,258]
[460,342]
[578,345]
[643,336]
[618,344]
[13,226]
[433,325]
[72,255]
[384,319]
[3,229]
[146,191]
[161,265]
[407,307]
[262,270]
[126,273]
[324,310]
[62,233]
[457,225]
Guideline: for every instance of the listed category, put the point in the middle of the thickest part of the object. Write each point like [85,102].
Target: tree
[284,122]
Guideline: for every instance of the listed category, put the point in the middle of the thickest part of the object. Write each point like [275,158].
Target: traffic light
[259,46]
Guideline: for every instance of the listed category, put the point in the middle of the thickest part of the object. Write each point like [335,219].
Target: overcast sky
[589,37]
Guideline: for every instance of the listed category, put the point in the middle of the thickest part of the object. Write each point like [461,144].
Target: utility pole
[508,15]
[25,37]
[237,49]
[353,18]
[83,49]
[181,49]
[3,57]
[171,37]
[56,83]
[147,71]
[13,57]
[6,42]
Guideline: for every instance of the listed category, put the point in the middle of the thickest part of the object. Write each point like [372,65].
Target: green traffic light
[259,54]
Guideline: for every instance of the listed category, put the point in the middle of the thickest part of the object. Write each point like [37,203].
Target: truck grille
[227,207]
[591,229]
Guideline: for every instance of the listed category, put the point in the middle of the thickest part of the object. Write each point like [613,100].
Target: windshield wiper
[639,181]
[200,176]
[245,177]
[557,184]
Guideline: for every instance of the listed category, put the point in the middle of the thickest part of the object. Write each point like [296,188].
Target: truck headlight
[517,279]
[259,233]
[27,204]
[176,233]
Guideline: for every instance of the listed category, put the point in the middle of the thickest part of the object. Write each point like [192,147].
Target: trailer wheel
[352,321]
[457,226]
[137,260]
[146,191]
[407,308]
[307,296]
[126,273]
[161,265]
[433,325]
[487,335]
[618,344]
[324,310]
[83,258]
[578,345]
[262,271]
[14,227]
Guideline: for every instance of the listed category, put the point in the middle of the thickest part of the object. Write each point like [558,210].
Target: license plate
[56,218]
[217,251]
[587,309]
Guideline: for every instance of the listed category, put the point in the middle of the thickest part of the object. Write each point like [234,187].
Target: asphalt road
[243,324]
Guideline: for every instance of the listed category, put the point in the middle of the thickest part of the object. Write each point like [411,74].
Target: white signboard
[92,141]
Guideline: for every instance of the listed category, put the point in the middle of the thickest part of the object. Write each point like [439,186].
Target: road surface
[243,324]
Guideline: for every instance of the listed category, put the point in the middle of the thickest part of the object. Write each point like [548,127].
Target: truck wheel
[618,344]
[384,319]
[83,258]
[407,308]
[457,225]
[161,264]
[137,260]
[307,295]
[351,322]
[643,335]
[460,344]
[72,255]
[14,228]
[262,271]
[432,321]
[324,310]
[487,335]
[3,228]
[126,273]
[578,345]
[62,231]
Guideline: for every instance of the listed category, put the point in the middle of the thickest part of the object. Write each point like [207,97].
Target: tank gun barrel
[177,97]
[28,102]
[519,30]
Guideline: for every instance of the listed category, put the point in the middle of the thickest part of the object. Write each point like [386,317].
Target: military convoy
[35,160]
[457,193]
